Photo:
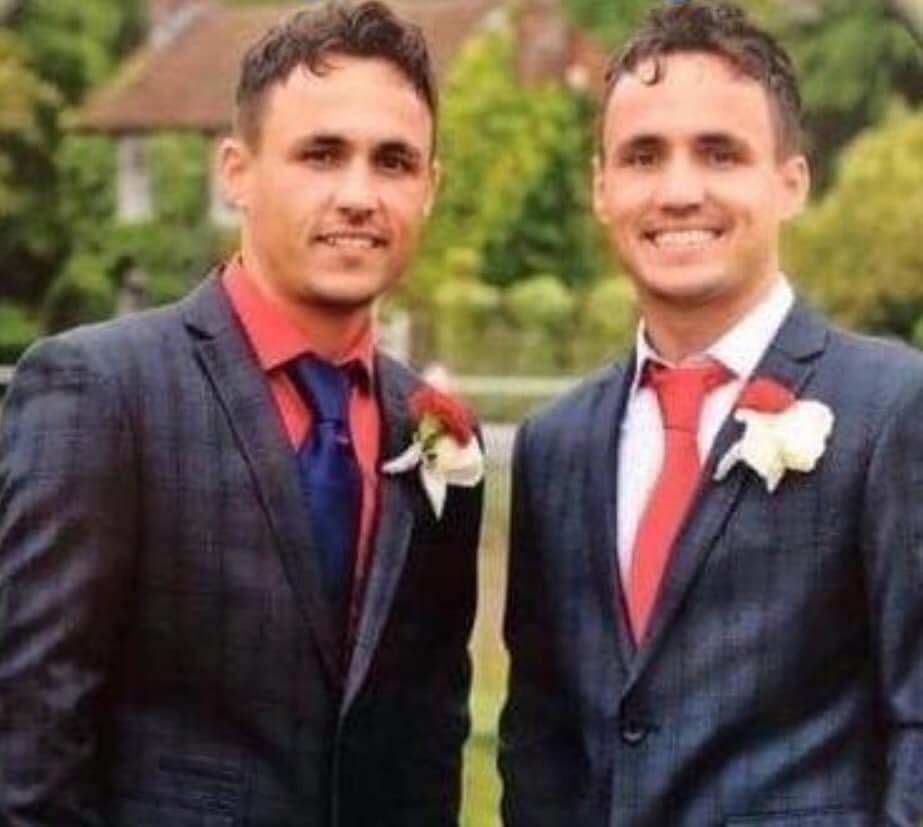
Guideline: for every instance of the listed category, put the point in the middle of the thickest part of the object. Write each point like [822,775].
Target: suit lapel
[247,401]
[397,498]
[601,500]
[790,361]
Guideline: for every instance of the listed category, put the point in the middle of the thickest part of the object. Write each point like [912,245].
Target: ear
[435,179]
[234,161]
[795,178]
[600,209]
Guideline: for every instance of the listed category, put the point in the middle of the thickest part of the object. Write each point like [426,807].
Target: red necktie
[680,393]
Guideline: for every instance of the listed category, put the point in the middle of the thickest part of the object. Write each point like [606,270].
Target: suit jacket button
[633,733]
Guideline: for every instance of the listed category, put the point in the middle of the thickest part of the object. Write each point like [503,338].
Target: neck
[677,330]
[331,329]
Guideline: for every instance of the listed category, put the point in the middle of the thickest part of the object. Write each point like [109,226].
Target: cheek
[408,209]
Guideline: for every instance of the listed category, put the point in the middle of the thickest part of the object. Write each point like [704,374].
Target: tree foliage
[515,176]
[28,233]
[853,57]
[77,43]
[858,249]
[173,247]
[51,53]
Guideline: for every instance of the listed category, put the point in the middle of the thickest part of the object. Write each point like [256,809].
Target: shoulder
[881,371]
[571,413]
[102,350]
[403,378]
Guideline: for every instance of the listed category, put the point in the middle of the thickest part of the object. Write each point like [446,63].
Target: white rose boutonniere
[443,447]
[781,433]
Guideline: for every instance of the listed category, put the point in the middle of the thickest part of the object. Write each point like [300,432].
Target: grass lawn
[481,784]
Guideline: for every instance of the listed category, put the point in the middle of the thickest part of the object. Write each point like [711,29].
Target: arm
[530,752]
[67,493]
[893,546]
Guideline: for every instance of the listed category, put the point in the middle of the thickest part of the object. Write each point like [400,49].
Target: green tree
[853,57]
[28,233]
[51,52]
[858,249]
[77,43]
[174,246]
[554,231]
[515,185]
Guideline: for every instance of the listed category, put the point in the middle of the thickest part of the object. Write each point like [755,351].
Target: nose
[681,186]
[355,196]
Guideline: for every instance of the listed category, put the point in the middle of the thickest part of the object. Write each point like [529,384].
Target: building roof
[188,83]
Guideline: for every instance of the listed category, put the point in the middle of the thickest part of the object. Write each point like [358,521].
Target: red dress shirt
[277,340]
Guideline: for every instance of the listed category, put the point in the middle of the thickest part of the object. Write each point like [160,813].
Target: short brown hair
[310,37]
[723,30]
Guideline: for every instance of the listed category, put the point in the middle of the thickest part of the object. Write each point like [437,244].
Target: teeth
[355,242]
[683,238]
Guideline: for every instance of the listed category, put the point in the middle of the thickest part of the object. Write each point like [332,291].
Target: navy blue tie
[331,482]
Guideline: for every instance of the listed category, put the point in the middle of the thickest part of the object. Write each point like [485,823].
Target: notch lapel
[601,501]
[247,401]
[789,360]
[397,498]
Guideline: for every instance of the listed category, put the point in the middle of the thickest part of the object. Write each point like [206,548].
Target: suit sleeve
[893,546]
[67,502]
[533,717]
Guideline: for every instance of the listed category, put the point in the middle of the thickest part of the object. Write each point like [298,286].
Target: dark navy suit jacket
[167,658]
[782,681]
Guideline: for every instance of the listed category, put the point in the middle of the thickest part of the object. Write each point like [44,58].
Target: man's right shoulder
[575,408]
[105,349]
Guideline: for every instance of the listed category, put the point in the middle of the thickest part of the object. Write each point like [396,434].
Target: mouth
[350,240]
[683,239]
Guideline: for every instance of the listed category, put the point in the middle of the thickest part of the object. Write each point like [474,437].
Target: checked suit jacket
[781,684]
[167,658]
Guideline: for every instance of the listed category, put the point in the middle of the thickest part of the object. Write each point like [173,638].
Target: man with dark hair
[716,563]
[217,607]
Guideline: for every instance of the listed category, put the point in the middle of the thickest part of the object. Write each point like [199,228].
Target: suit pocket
[185,791]
[818,817]
[159,811]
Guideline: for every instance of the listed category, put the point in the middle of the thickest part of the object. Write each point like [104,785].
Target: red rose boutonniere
[781,433]
[443,447]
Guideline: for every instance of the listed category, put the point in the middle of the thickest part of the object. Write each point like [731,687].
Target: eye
[641,158]
[721,156]
[396,162]
[320,157]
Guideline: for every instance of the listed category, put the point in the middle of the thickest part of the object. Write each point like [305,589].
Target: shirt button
[633,733]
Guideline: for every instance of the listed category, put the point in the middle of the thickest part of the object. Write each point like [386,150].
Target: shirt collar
[275,337]
[742,347]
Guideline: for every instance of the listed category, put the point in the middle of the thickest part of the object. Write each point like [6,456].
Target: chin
[691,291]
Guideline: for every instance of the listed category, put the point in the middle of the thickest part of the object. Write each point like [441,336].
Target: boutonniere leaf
[444,447]
[781,433]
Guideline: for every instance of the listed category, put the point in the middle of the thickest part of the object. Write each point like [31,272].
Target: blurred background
[109,115]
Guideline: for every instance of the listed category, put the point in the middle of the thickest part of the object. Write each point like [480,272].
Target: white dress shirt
[641,442]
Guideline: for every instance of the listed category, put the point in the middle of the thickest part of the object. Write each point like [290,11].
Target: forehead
[695,94]
[356,99]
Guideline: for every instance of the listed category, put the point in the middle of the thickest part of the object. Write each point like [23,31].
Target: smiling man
[214,608]
[716,560]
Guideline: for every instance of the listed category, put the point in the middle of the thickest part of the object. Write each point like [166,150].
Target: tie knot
[323,386]
[682,391]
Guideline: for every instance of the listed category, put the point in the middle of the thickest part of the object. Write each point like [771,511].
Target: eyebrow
[330,141]
[652,141]
[721,139]
[334,141]
[636,142]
